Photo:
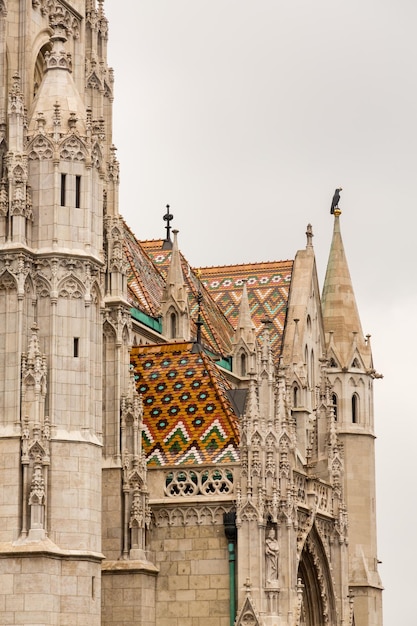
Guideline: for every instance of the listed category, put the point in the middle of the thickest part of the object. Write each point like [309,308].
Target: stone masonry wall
[128,596]
[41,591]
[192,587]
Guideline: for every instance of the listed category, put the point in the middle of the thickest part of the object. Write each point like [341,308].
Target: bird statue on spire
[335,201]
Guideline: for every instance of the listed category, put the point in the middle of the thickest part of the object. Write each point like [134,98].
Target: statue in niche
[271,557]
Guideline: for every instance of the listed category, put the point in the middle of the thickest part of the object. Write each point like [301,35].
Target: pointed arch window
[307,365]
[355,408]
[295,396]
[40,66]
[243,364]
[173,325]
[312,376]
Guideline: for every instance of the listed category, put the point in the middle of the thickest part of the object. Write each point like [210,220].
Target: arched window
[40,66]
[334,404]
[307,364]
[355,409]
[173,325]
[312,376]
[295,396]
[243,364]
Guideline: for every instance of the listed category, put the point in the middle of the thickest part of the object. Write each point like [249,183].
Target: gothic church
[178,447]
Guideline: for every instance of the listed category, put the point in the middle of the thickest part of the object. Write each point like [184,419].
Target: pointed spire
[245,329]
[175,277]
[340,312]
[174,303]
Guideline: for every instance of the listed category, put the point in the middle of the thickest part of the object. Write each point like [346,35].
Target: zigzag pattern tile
[268,290]
[187,416]
[217,331]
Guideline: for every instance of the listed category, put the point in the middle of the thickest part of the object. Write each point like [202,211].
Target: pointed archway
[317,598]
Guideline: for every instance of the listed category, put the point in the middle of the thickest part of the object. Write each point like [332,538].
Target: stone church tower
[61,274]
[177,447]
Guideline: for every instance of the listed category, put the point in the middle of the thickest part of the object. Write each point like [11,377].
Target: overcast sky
[244,116]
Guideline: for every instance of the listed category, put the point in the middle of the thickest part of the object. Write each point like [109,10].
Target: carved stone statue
[271,557]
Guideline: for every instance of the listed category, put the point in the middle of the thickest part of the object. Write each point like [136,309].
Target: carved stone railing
[208,481]
[306,488]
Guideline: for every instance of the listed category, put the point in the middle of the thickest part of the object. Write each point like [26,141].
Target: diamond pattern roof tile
[145,282]
[268,287]
[188,418]
[217,332]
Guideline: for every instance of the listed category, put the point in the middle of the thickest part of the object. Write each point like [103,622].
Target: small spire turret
[174,303]
[340,311]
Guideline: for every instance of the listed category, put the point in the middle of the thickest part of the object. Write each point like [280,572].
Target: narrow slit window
[173,325]
[63,188]
[295,396]
[355,403]
[243,364]
[76,346]
[77,192]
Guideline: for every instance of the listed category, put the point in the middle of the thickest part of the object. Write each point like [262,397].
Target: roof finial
[168,217]
[199,321]
[335,202]
[309,235]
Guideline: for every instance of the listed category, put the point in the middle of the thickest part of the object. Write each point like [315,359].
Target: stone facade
[177,448]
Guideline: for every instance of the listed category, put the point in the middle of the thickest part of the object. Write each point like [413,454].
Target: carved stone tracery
[210,481]
[198,515]
[51,7]
[136,497]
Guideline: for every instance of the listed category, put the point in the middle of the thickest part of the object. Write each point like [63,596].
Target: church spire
[174,303]
[245,328]
[340,311]
[244,339]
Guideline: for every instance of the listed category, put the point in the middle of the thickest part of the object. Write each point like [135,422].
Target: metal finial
[199,321]
[168,217]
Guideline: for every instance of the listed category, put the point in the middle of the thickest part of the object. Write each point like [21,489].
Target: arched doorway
[317,605]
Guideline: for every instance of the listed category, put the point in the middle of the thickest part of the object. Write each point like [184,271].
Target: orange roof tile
[268,286]
[217,331]
[187,416]
[145,283]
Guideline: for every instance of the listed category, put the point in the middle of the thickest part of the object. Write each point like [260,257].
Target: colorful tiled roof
[145,283]
[187,416]
[217,332]
[268,287]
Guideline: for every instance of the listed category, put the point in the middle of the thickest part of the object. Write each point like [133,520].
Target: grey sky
[244,115]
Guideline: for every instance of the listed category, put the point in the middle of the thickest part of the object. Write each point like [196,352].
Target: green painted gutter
[149,321]
[230,530]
